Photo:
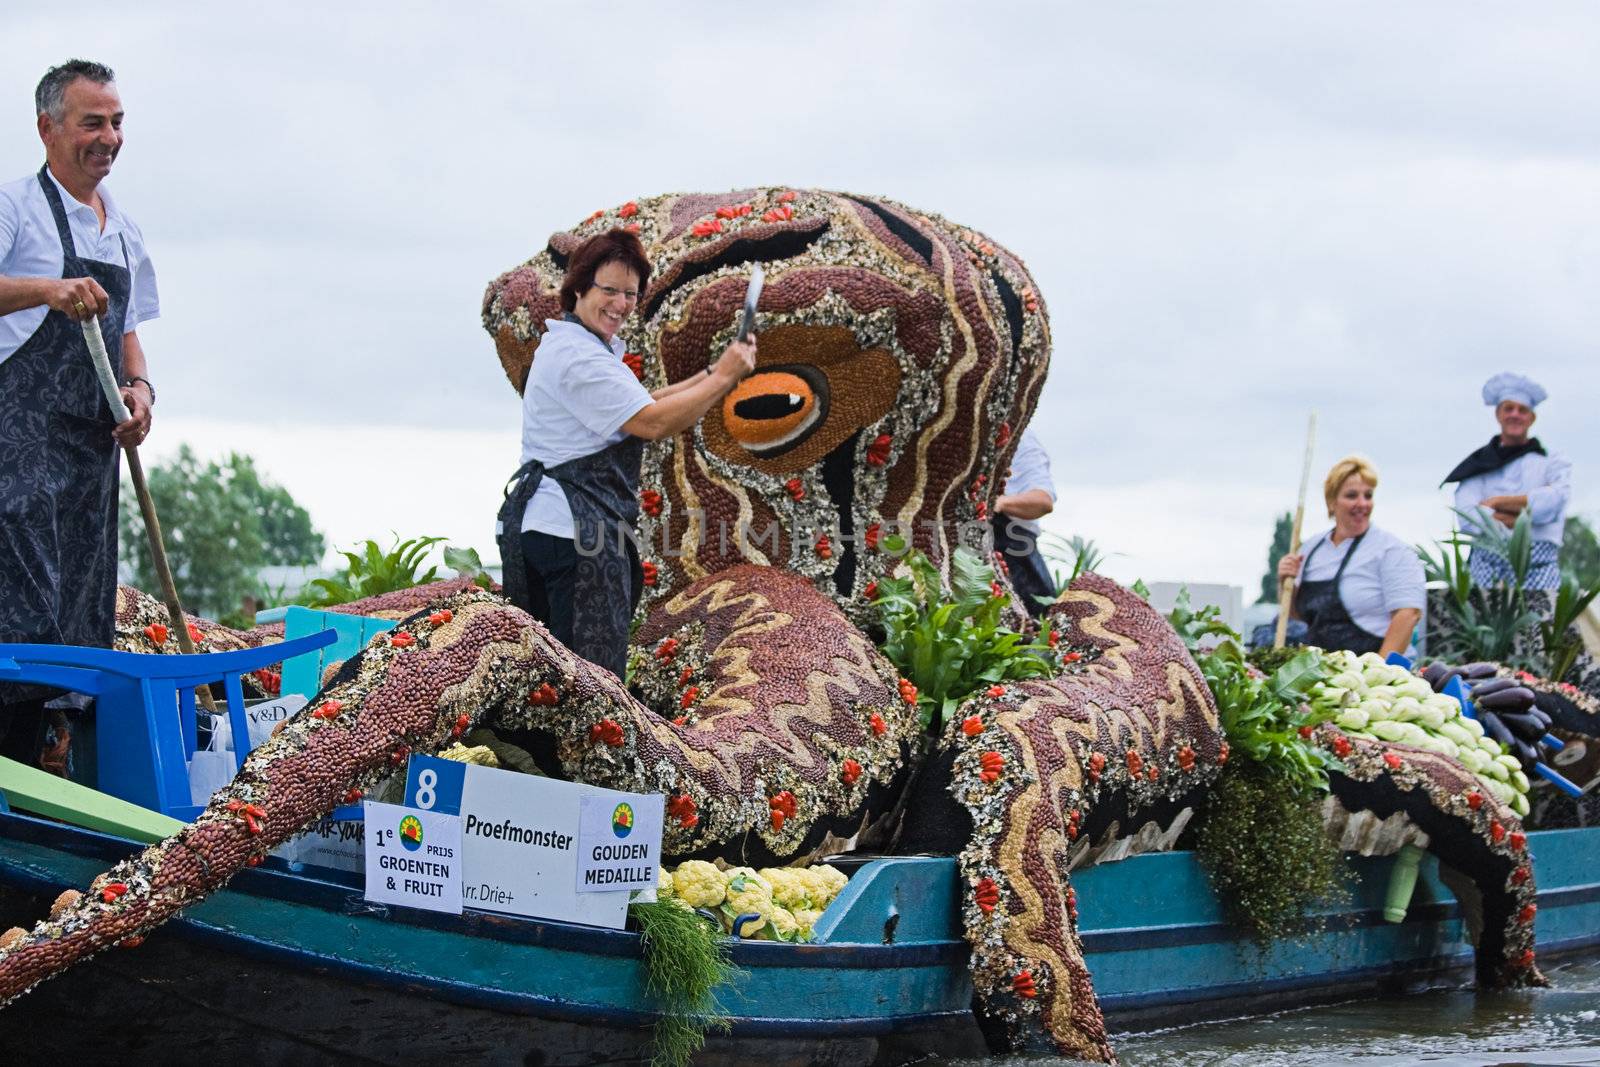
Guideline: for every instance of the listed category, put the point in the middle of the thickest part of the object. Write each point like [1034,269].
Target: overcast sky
[1237,213]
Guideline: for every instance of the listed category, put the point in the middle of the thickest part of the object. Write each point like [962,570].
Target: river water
[1445,1028]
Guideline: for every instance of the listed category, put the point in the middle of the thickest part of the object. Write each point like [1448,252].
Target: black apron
[603,491]
[58,471]
[1328,625]
[1030,576]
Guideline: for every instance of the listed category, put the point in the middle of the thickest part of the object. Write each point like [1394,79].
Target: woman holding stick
[1361,588]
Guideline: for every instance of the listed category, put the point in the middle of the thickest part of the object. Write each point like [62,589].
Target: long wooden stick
[1286,585]
[147,506]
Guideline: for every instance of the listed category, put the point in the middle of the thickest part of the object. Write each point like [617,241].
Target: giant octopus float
[900,355]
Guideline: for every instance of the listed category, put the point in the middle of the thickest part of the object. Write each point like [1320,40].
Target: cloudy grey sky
[1237,212]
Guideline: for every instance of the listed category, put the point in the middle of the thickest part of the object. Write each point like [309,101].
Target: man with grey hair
[66,253]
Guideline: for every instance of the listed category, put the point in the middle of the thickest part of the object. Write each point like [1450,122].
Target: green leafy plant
[685,962]
[1079,554]
[371,571]
[1562,641]
[949,645]
[466,564]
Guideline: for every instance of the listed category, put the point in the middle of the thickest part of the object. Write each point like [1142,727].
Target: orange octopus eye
[776,408]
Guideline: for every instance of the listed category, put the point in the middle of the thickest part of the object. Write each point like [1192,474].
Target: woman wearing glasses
[585,417]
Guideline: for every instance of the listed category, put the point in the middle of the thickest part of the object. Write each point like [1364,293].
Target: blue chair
[145,725]
[303,674]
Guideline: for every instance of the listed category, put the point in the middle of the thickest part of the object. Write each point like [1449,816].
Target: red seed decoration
[1097,764]
[849,771]
[1497,833]
[824,547]
[402,640]
[996,691]
[1341,746]
[1186,758]
[352,795]
[650,502]
[879,727]
[628,210]
[733,211]
[972,726]
[778,214]
[878,450]
[194,633]
[871,591]
[606,730]
[1072,900]
[986,894]
[777,819]
[1222,754]
[252,814]
[328,709]
[1053,638]
[399,755]
[871,536]
[983,513]
[632,227]
[1135,762]
[1527,913]
[156,633]
[635,363]
[787,196]
[796,488]
[463,721]
[649,570]
[253,861]
[1393,760]
[681,806]
[112,890]
[1153,773]
[783,806]
[1519,841]
[1520,875]
[1023,985]
[681,720]
[439,618]
[1474,798]
[996,590]
[908,692]
[684,676]
[1526,959]
[1306,731]
[1066,657]
[546,695]
[707,227]
[993,764]
[1003,437]
[667,649]
[690,695]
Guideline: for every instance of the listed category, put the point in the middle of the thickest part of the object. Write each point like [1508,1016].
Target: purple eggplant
[1491,685]
[1474,671]
[1524,726]
[1495,728]
[1517,698]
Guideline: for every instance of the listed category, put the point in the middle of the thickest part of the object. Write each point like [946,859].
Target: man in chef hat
[1513,474]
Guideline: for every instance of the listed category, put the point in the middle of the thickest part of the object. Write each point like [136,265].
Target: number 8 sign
[434,784]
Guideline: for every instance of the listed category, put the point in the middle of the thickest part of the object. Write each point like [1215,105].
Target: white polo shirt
[30,248]
[578,395]
[1030,469]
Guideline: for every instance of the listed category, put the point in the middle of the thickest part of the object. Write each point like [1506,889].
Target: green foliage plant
[222,523]
[951,644]
[466,564]
[1080,554]
[1261,839]
[685,962]
[1580,550]
[372,571]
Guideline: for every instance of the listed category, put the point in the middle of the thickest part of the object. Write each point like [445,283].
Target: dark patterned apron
[1029,574]
[58,471]
[603,491]
[1328,625]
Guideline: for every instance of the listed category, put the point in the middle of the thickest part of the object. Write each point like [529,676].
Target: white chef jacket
[578,395]
[1547,480]
[31,248]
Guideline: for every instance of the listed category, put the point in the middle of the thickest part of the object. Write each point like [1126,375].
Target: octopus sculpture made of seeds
[899,357]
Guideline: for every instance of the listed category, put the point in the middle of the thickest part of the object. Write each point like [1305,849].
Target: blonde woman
[1360,588]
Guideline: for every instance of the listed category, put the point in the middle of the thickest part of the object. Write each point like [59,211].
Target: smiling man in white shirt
[67,252]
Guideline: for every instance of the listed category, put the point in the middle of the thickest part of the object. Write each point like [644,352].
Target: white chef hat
[1508,386]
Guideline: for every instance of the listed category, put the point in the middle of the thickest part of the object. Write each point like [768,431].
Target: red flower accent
[777,819]
[689,696]
[849,771]
[1393,760]
[871,591]
[684,676]
[1153,773]
[1497,832]
[986,894]
[650,502]
[996,691]
[1341,746]
[680,720]
[872,534]
[634,362]
[972,726]
[1186,758]
[796,487]
[1053,638]
[681,806]
[983,509]
[993,763]
[1097,763]
[462,722]
[352,795]
[1222,755]
[112,890]
[156,633]
[707,228]
[607,730]
[194,633]
[784,801]
[1023,985]
[402,640]
[398,756]
[878,450]
[1003,437]
[628,210]
[1520,875]
[328,710]
[1519,841]
[908,692]
[1527,913]
[779,214]
[591,218]
[787,196]
[1306,731]
[1135,763]
[649,570]
[439,618]
[824,547]
[632,227]
[879,727]
[546,694]
[1526,959]
[1474,798]
[667,649]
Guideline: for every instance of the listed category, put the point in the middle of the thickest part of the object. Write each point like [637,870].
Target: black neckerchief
[1491,457]
[568,316]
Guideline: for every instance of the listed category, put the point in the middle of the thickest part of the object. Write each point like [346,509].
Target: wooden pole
[147,506]
[1286,585]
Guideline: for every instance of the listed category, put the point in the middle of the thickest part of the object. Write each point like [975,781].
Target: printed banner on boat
[520,839]
[413,857]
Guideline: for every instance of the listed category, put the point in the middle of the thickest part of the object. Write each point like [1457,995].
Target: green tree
[1282,530]
[1580,551]
[222,524]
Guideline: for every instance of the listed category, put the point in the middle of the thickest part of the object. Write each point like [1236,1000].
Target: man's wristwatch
[136,378]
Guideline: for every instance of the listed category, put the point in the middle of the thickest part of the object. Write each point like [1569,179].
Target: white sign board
[520,839]
[413,857]
[619,840]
